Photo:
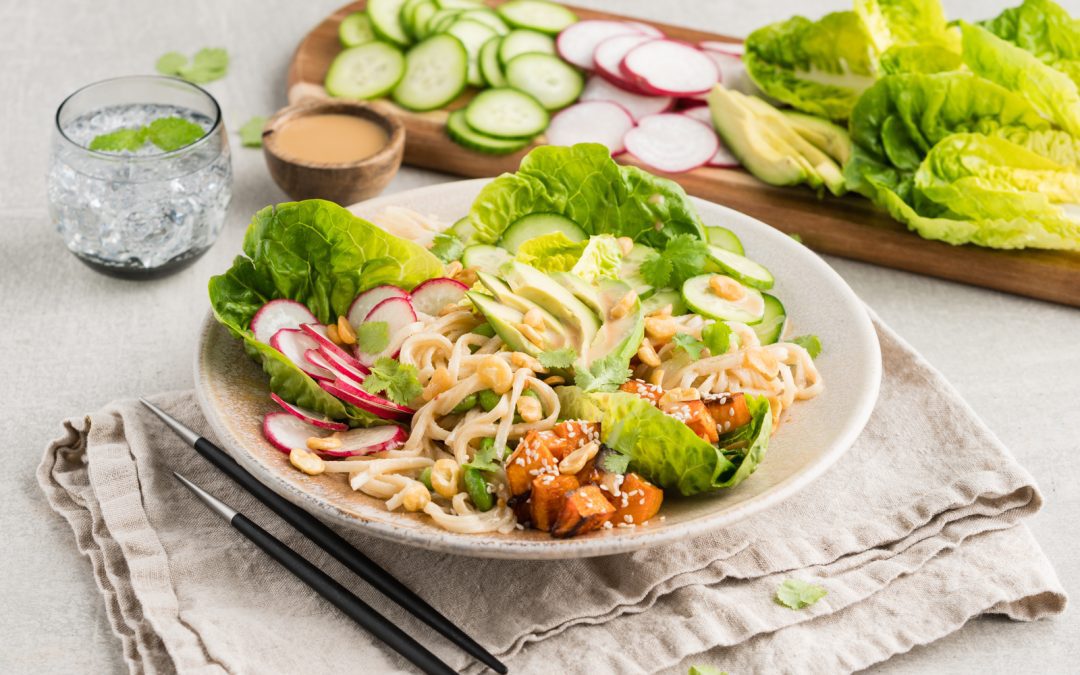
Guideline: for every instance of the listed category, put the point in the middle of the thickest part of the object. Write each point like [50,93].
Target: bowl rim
[392,124]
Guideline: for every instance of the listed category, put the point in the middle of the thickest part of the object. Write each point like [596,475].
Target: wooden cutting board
[850,226]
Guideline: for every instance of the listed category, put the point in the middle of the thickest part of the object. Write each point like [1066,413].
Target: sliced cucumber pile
[451,44]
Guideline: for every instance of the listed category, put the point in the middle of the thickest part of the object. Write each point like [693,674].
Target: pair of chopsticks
[335,545]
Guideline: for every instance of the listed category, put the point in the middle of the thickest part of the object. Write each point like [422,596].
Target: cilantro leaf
[687,255]
[373,336]
[171,63]
[397,379]
[558,358]
[447,247]
[717,337]
[798,594]
[486,457]
[173,133]
[606,374]
[251,132]
[811,343]
[656,270]
[120,140]
[706,670]
[614,462]
[690,344]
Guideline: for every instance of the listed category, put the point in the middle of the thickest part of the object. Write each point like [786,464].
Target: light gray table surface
[73,340]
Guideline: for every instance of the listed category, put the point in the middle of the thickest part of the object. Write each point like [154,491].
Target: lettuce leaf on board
[585,184]
[320,254]
[1044,29]
[664,450]
[919,59]
[905,23]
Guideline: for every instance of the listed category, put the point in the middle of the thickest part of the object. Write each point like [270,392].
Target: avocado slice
[530,283]
[555,334]
[581,289]
[832,139]
[503,319]
[618,337]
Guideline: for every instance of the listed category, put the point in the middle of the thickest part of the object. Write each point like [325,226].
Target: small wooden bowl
[344,183]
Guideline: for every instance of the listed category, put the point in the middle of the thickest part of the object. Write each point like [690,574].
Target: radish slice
[398,313]
[368,441]
[670,68]
[330,350]
[366,301]
[286,431]
[723,157]
[672,142]
[700,113]
[609,55]
[577,42]
[434,294]
[733,72]
[646,28]
[278,314]
[638,105]
[339,369]
[729,48]
[293,343]
[310,416]
[376,405]
[591,122]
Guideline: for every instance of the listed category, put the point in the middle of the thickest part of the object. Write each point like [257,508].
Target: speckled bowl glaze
[232,391]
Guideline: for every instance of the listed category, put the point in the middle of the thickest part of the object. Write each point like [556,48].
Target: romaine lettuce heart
[1044,29]
[904,23]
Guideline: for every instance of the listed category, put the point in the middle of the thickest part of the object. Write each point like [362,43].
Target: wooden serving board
[850,226]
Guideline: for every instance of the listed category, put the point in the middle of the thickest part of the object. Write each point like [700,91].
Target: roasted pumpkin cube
[584,510]
[728,410]
[649,392]
[638,500]
[578,432]
[546,500]
[695,415]
[531,459]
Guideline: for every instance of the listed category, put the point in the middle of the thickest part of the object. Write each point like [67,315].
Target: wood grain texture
[849,227]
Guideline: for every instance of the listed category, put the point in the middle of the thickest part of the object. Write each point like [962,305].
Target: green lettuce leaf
[1051,91]
[903,23]
[587,186]
[1044,29]
[919,59]
[664,450]
[552,252]
[601,259]
[820,67]
[1059,146]
[320,254]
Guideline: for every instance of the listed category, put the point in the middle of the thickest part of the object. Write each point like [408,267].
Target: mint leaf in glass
[121,140]
[173,133]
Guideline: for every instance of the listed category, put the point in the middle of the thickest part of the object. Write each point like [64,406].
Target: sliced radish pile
[609,55]
[293,343]
[278,314]
[310,416]
[335,354]
[669,67]
[361,399]
[398,313]
[434,294]
[578,41]
[591,122]
[733,72]
[368,441]
[699,113]
[645,28]
[286,431]
[672,142]
[731,48]
[723,157]
[340,369]
[366,301]
[638,105]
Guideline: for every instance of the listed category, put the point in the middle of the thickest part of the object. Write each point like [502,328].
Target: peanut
[415,496]
[530,409]
[660,329]
[647,354]
[453,268]
[576,460]
[657,377]
[534,317]
[445,475]
[440,381]
[726,287]
[523,360]
[495,374]
[323,443]
[622,307]
[679,395]
[308,462]
[345,331]
[331,332]
[531,334]
[554,380]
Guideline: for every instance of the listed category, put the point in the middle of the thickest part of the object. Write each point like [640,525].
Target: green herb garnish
[690,344]
[606,374]
[811,343]
[373,336]
[167,133]
[447,247]
[251,132]
[120,140]
[614,462]
[684,257]
[398,380]
[207,65]
[558,358]
[717,336]
[486,457]
[798,594]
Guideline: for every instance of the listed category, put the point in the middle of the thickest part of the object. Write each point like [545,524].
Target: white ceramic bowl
[232,391]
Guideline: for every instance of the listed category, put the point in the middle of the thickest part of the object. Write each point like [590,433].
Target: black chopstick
[320,582]
[331,542]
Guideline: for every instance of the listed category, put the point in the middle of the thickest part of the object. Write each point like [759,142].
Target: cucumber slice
[538,224]
[462,229]
[699,297]
[441,20]
[407,14]
[458,4]
[435,73]
[548,79]
[490,68]
[474,35]
[487,17]
[462,134]
[385,16]
[506,113]
[355,29]
[630,270]
[743,269]
[724,238]
[518,42]
[772,322]
[485,258]
[546,17]
[661,299]
[416,20]
[367,71]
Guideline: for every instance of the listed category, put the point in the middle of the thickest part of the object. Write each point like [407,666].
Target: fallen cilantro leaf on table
[173,133]
[251,132]
[207,65]
[120,140]
[373,336]
[811,343]
[690,344]
[447,247]
[170,63]
[798,594]
[397,379]
[558,358]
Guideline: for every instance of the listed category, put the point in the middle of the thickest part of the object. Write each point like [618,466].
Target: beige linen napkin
[913,532]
